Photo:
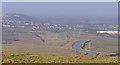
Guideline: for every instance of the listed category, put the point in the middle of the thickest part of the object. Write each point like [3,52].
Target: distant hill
[61,20]
[19,17]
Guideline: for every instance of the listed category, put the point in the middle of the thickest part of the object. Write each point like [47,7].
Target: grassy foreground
[19,57]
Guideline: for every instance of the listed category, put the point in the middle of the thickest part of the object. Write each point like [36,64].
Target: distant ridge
[19,17]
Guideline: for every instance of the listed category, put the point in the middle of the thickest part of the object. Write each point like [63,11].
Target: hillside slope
[13,57]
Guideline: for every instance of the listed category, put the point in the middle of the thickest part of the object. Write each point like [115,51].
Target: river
[78,46]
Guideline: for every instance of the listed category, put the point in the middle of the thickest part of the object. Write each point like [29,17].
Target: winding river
[78,46]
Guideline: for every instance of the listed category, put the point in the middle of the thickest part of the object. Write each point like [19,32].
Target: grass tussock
[17,57]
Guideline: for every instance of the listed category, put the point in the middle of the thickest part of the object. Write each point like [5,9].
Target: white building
[109,32]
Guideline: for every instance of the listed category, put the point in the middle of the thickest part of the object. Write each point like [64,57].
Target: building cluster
[56,27]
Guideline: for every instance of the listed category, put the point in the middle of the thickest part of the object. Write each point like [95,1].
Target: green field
[12,57]
[31,43]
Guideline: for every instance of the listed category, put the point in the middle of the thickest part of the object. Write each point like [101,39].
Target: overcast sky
[93,9]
